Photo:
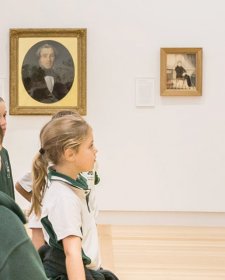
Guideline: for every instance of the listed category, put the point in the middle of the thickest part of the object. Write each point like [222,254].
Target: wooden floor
[163,253]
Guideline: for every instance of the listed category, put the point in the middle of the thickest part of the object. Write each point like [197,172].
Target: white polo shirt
[26,183]
[65,212]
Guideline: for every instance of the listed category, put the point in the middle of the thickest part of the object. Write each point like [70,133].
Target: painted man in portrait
[41,81]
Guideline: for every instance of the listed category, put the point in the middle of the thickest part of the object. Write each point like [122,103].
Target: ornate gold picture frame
[47,71]
[181,71]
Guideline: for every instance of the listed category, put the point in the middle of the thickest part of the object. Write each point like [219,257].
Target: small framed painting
[181,71]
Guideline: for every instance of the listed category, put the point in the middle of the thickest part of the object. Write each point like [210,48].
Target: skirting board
[162,218]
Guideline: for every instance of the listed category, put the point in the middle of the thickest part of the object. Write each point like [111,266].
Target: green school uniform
[6,180]
[66,212]
[18,258]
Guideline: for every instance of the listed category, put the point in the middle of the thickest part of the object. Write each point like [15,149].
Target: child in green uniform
[67,218]
[6,180]
[18,258]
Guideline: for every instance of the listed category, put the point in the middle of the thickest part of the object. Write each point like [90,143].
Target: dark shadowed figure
[42,82]
[181,73]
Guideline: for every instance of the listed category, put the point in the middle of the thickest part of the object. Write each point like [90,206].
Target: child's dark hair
[56,136]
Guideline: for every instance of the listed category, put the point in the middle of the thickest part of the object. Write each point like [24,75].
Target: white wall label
[145,92]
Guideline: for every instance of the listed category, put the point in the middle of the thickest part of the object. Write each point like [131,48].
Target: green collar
[80,182]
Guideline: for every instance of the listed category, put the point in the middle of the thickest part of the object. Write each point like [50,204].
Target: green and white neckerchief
[80,182]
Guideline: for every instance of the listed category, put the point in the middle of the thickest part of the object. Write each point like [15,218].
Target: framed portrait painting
[47,71]
[181,71]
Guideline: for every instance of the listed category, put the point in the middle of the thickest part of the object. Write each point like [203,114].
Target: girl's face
[86,155]
[3,114]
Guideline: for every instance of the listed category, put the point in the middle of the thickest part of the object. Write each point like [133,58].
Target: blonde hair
[55,137]
[63,113]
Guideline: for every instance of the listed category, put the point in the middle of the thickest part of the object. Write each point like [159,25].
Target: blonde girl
[69,227]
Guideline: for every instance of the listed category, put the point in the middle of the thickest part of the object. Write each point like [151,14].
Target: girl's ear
[69,154]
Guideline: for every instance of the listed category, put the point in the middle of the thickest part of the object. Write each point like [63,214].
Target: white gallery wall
[162,159]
